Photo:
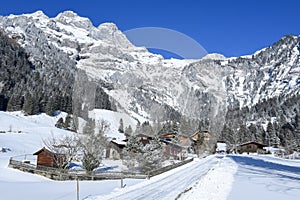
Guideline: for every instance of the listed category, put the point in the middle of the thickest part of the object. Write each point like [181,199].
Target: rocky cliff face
[98,67]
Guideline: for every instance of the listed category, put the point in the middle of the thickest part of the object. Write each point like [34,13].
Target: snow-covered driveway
[261,177]
[168,185]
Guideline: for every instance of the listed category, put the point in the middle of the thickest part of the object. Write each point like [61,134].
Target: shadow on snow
[266,166]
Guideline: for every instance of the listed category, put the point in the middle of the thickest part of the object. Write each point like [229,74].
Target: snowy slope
[27,137]
[24,135]
[113,120]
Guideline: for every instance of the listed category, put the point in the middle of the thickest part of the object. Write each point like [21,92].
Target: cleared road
[167,187]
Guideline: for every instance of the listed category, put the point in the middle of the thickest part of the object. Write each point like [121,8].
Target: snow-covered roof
[221,146]
[119,142]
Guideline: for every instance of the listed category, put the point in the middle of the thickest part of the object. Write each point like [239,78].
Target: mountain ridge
[109,72]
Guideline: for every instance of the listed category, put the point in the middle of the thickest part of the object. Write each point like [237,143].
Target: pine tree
[151,156]
[28,105]
[89,127]
[131,152]
[92,145]
[60,123]
[121,126]
[146,128]
[128,131]
[138,128]
[272,137]
[68,122]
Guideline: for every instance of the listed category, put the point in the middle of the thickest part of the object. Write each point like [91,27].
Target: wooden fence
[63,174]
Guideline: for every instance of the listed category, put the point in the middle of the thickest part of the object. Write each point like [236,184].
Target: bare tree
[64,148]
[92,145]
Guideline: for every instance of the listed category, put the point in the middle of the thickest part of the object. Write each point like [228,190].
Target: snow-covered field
[24,135]
[215,177]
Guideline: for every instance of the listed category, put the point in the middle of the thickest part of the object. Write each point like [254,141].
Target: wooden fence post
[77,187]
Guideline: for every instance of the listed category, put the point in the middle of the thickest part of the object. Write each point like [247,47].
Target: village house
[144,139]
[206,135]
[167,137]
[114,149]
[251,147]
[200,148]
[174,151]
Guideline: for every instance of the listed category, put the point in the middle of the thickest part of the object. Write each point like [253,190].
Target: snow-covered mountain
[129,79]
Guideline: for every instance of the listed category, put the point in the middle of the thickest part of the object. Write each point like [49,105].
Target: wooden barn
[46,158]
[251,147]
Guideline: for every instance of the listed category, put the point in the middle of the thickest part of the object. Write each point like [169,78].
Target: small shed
[251,147]
[47,158]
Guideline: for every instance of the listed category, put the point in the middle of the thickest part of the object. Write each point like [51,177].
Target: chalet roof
[41,150]
[197,132]
[183,135]
[173,144]
[119,142]
[221,146]
[143,135]
[252,142]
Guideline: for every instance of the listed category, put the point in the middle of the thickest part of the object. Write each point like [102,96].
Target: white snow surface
[26,137]
[265,178]
[168,185]
[113,119]
[216,184]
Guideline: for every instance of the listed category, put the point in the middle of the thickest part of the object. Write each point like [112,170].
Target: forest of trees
[34,87]
[273,122]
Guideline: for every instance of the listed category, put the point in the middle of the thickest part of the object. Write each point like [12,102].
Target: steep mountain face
[97,67]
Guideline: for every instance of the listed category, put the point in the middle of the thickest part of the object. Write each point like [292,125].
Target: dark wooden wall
[45,159]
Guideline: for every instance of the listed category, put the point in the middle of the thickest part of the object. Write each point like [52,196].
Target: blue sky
[229,27]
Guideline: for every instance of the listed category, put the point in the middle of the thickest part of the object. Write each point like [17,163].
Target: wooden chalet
[251,147]
[206,135]
[183,138]
[46,158]
[114,149]
[205,145]
[144,139]
[167,137]
[174,151]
